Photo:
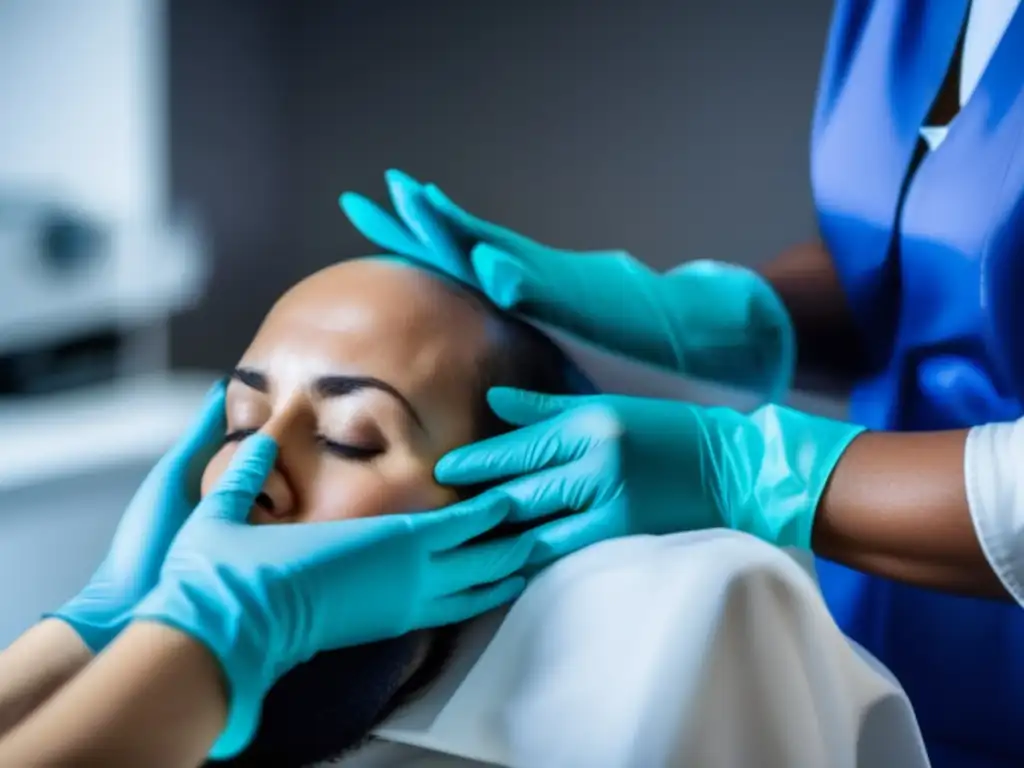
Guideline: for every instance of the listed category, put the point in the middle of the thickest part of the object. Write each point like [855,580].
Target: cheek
[359,491]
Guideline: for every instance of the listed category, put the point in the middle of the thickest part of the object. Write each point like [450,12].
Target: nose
[279,497]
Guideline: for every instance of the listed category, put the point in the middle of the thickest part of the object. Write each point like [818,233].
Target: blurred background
[169,167]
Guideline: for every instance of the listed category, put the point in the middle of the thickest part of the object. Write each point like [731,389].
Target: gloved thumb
[521,407]
[241,483]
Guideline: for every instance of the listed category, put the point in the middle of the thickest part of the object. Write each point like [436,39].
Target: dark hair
[327,706]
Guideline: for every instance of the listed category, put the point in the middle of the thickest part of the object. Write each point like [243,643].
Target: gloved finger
[452,526]
[559,440]
[477,564]
[179,470]
[521,408]
[569,487]
[509,279]
[416,214]
[206,428]
[607,299]
[380,227]
[236,490]
[558,538]
[467,605]
[444,251]
[525,450]
[476,228]
[549,285]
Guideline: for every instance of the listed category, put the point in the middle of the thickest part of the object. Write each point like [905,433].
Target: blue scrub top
[930,251]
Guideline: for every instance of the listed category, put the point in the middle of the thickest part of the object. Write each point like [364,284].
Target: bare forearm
[35,666]
[896,506]
[155,697]
[806,280]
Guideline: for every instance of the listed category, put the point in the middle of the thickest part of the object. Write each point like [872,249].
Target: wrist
[237,643]
[897,507]
[94,619]
[782,460]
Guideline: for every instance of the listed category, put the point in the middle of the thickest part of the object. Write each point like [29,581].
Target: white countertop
[132,421]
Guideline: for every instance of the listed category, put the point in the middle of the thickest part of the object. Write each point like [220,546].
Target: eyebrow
[331,386]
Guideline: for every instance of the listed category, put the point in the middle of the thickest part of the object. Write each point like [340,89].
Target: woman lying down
[368,372]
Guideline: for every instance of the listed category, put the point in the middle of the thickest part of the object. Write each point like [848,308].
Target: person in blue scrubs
[914,507]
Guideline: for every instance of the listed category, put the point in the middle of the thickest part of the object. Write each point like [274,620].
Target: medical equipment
[153,518]
[709,649]
[84,301]
[392,574]
[705,319]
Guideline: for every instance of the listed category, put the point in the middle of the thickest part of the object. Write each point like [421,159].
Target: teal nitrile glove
[155,514]
[706,319]
[628,465]
[263,599]
[418,233]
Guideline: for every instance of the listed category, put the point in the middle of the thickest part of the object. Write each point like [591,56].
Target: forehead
[377,318]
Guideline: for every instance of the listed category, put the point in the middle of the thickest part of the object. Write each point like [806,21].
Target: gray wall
[675,130]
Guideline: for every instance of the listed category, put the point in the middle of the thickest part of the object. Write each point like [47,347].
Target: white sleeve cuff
[994,476]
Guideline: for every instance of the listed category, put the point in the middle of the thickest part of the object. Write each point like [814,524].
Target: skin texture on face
[315,377]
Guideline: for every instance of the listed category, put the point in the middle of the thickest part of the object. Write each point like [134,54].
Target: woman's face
[365,373]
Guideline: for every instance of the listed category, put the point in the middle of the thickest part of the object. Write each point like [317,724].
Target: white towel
[706,649]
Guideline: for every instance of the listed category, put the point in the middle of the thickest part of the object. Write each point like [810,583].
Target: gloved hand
[418,232]
[155,514]
[705,319]
[628,465]
[266,598]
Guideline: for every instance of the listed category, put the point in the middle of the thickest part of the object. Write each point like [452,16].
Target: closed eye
[346,451]
[239,435]
[341,450]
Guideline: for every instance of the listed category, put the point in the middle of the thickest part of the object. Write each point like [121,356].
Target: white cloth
[710,649]
[383,754]
[994,476]
[987,21]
